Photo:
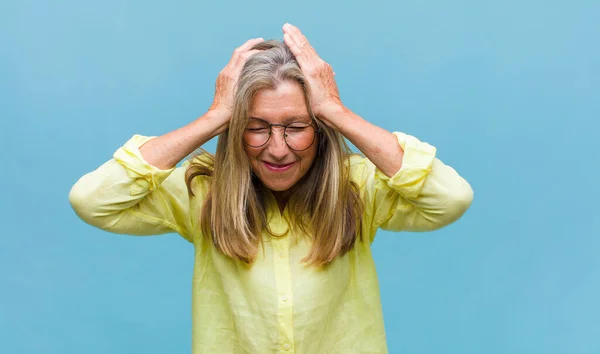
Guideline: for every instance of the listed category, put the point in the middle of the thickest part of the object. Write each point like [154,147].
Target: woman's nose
[277,144]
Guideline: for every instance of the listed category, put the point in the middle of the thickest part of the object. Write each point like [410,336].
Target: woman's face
[275,163]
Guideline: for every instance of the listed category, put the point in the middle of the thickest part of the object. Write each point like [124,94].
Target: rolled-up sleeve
[145,177]
[127,195]
[425,194]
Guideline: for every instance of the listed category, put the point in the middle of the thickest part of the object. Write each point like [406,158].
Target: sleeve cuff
[146,177]
[416,165]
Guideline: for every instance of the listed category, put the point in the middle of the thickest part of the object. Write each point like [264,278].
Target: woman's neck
[281,198]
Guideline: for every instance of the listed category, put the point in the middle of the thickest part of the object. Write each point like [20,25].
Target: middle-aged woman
[282,217]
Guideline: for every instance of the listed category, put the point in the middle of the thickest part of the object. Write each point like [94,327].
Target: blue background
[509,93]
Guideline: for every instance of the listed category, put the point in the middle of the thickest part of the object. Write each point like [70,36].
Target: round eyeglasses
[298,136]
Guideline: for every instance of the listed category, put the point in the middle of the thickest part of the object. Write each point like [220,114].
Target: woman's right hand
[228,78]
[165,151]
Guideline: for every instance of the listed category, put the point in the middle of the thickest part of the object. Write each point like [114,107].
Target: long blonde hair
[324,204]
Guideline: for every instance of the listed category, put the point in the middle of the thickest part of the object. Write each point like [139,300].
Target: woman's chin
[278,187]
[280,184]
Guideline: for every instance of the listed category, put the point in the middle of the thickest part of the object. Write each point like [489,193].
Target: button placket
[283,287]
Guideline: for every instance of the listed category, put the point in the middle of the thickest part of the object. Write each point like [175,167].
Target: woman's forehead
[285,120]
[281,114]
[283,105]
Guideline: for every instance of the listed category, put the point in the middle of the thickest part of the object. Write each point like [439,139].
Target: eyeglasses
[298,136]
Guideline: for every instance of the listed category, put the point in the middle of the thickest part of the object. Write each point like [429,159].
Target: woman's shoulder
[357,161]
[202,159]
[354,159]
[360,167]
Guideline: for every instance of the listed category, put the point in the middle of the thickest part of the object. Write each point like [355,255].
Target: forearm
[167,150]
[379,146]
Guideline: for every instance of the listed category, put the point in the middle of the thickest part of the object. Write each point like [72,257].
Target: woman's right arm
[139,191]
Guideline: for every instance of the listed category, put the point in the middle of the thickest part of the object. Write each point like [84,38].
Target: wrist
[219,119]
[334,115]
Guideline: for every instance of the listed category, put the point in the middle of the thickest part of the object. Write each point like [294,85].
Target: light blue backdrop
[509,93]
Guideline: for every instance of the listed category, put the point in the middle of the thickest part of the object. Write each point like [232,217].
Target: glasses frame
[285,126]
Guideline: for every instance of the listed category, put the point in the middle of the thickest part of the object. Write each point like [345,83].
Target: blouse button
[284,298]
[286,346]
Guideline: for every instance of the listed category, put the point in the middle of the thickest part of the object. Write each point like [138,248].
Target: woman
[282,218]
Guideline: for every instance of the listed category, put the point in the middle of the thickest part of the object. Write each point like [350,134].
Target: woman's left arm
[413,190]
[407,187]
[379,145]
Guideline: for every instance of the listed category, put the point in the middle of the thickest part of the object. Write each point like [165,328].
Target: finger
[249,44]
[300,56]
[235,59]
[299,38]
[294,46]
[243,58]
[289,40]
[305,59]
[250,53]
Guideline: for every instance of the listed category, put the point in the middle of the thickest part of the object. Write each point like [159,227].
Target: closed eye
[296,129]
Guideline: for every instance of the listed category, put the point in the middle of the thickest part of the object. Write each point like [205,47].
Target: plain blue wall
[509,93]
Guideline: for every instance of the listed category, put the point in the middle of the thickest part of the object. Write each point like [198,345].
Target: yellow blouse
[278,305]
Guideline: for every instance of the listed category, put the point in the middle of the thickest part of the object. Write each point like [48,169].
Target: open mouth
[278,168]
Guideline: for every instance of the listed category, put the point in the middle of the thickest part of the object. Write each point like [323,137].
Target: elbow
[458,202]
[452,208]
[82,203]
[77,198]
[464,198]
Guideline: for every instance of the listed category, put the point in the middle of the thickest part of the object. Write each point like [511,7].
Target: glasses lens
[256,133]
[299,136]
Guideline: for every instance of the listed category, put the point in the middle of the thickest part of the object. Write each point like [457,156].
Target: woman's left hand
[324,94]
